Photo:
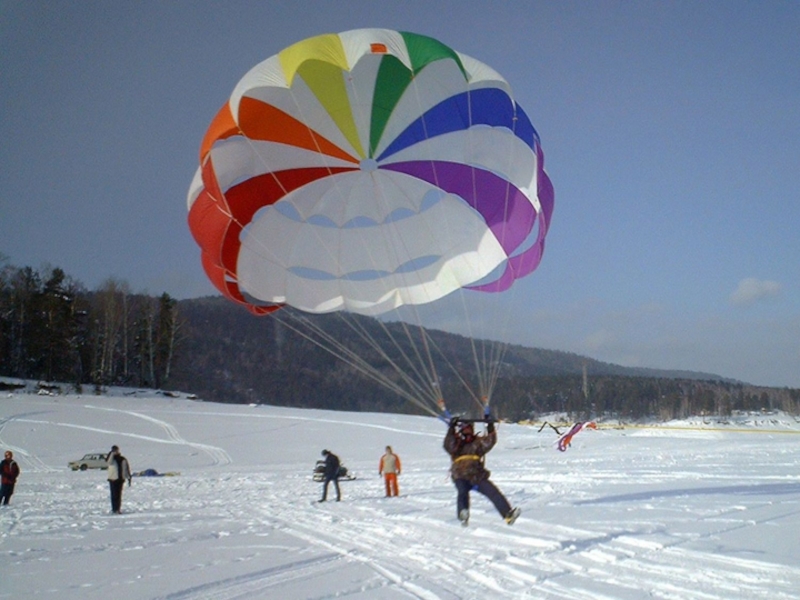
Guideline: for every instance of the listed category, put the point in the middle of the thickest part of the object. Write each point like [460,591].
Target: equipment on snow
[319,472]
[566,439]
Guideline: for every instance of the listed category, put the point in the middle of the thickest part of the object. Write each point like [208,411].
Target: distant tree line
[238,358]
[53,329]
[631,398]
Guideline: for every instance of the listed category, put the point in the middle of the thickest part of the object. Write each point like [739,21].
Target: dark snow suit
[118,472]
[10,471]
[467,470]
[331,473]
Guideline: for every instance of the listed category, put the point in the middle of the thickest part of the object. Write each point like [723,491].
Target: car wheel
[83,467]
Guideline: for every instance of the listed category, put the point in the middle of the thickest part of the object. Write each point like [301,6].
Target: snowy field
[691,511]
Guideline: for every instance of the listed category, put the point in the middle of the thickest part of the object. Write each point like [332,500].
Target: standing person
[10,471]
[467,452]
[118,471]
[331,473]
[390,468]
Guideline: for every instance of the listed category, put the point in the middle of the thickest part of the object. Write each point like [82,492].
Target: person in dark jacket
[467,470]
[331,473]
[118,471]
[9,471]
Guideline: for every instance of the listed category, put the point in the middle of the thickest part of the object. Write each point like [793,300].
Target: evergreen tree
[59,327]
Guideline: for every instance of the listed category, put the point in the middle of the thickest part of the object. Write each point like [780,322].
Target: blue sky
[671,132]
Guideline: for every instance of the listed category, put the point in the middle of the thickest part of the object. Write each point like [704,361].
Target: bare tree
[112,318]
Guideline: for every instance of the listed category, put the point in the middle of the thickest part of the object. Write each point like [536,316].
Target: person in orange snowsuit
[390,468]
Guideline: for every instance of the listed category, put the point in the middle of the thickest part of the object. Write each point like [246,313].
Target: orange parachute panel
[223,126]
[260,121]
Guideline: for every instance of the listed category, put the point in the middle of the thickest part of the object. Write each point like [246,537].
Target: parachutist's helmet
[466,431]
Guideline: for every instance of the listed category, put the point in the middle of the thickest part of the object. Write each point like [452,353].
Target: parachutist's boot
[463,516]
[512,516]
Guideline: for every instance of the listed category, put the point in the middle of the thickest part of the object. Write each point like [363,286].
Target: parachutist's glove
[490,427]
[453,422]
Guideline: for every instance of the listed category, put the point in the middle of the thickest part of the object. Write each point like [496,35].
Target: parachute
[370,172]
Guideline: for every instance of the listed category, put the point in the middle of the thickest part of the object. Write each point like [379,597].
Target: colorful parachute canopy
[367,170]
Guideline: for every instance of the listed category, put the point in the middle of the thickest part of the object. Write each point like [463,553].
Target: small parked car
[96,460]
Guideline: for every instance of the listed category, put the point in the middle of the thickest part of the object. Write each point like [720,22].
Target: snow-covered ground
[692,511]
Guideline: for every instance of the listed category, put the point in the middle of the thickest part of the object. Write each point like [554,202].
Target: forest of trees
[54,330]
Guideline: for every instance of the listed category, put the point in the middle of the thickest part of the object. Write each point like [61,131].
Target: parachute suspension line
[314,333]
[414,366]
[480,365]
[330,179]
[425,356]
[459,376]
[328,343]
[416,392]
[422,367]
[501,349]
[358,327]
[420,363]
[479,358]
[427,342]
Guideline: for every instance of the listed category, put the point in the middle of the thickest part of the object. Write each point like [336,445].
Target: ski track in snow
[555,561]
[532,559]
[217,455]
[25,459]
[680,521]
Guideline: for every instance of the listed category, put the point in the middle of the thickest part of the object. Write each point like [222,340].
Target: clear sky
[671,132]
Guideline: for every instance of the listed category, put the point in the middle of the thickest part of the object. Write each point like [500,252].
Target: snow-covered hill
[693,510]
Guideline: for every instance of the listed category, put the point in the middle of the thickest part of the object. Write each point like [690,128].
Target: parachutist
[467,451]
